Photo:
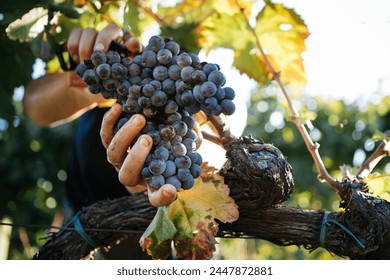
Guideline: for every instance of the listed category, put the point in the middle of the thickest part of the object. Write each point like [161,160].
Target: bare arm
[51,100]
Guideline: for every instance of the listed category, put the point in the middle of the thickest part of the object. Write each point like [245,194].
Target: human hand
[82,42]
[129,162]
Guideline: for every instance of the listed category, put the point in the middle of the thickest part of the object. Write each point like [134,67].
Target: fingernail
[136,121]
[99,47]
[144,142]
[76,58]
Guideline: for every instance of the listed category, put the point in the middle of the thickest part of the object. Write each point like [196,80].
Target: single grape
[80,69]
[110,84]
[217,77]
[159,98]
[188,183]
[170,169]
[208,89]
[155,134]
[148,58]
[95,89]
[173,180]
[228,107]
[148,90]
[170,107]
[156,181]
[134,70]
[183,174]
[167,132]
[183,162]
[168,85]
[160,73]
[187,98]
[157,166]
[156,43]
[134,91]
[98,57]
[173,47]
[195,170]
[180,128]
[229,93]
[164,56]
[90,77]
[161,153]
[174,72]
[131,106]
[103,71]
[184,60]
[113,57]
[118,71]
[178,149]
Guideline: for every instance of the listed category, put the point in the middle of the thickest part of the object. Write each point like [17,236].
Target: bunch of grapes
[168,86]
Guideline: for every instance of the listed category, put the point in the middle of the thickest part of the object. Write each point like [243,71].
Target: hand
[129,163]
[82,42]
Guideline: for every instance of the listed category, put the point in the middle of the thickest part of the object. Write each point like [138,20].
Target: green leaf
[44,46]
[29,26]
[135,20]
[282,34]
[67,9]
[185,35]
[157,238]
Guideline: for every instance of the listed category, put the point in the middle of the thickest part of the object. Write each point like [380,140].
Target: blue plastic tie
[75,220]
[326,222]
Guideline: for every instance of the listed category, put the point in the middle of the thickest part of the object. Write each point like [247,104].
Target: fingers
[109,120]
[117,150]
[110,33]
[130,172]
[86,44]
[73,43]
[163,196]
[133,45]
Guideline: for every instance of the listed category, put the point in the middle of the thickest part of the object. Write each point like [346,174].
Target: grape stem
[310,145]
[380,152]
[149,12]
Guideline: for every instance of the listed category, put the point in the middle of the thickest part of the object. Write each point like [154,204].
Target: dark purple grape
[90,77]
[98,57]
[157,166]
[228,107]
[113,57]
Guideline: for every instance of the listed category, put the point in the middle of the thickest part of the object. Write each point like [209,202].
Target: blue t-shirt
[90,176]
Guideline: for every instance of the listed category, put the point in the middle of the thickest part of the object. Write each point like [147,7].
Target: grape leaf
[249,61]
[224,30]
[193,214]
[157,238]
[29,26]
[282,34]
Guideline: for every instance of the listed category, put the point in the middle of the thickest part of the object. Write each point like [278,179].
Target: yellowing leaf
[193,214]
[190,220]
[282,34]
[249,61]
[224,30]
[157,238]
[379,184]
[201,245]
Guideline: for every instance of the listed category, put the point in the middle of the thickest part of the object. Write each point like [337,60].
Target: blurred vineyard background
[33,159]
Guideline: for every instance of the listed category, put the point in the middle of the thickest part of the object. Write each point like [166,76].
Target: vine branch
[310,145]
[381,151]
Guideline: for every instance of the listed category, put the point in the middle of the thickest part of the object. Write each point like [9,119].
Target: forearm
[50,100]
